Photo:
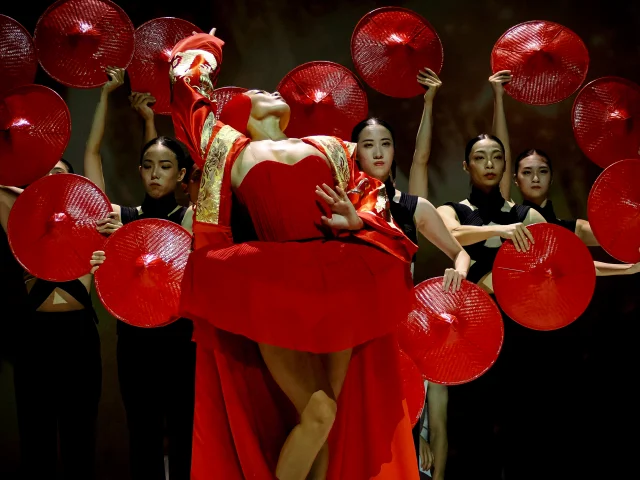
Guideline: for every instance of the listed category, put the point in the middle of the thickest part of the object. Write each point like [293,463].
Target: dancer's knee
[319,414]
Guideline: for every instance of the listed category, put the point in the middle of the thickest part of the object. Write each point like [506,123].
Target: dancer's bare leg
[336,365]
[302,377]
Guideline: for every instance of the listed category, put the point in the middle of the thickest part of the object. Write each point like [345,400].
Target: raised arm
[584,232]
[140,103]
[418,175]
[498,80]
[437,402]
[610,269]
[430,224]
[92,157]
[7,198]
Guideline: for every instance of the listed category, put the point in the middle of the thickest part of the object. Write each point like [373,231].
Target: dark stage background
[267,38]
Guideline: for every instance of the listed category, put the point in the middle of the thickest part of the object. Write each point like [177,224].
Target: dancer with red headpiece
[306,305]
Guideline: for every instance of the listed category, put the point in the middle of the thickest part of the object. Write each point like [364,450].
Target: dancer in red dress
[305,303]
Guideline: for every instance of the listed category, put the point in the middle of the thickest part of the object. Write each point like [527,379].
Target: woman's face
[533,178]
[59,168]
[264,104]
[159,171]
[375,151]
[485,164]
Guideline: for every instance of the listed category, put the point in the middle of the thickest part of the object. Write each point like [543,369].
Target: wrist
[358,225]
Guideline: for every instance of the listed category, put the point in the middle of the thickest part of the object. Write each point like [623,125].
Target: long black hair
[533,151]
[183,158]
[473,141]
[357,130]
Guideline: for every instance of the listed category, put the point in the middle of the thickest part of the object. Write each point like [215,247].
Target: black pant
[58,381]
[157,382]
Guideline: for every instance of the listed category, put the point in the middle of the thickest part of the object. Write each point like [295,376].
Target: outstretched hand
[109,224]
[498,80]
[429,80]
[343,213]
[97,259]
[140,103]
[116,78]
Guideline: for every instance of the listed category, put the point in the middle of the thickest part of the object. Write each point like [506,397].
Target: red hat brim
[389,47]
[325,99]
[549,286]
[52,226]
[452,337]
[149,69]
[76,40]
[18,61]
[35,127]
[614,212]
[140,280]
[606,120]
[548,61]
[413,387]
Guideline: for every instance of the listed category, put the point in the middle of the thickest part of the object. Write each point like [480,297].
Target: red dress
[300,286]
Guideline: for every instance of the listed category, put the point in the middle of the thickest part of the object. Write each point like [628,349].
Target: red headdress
[236,113]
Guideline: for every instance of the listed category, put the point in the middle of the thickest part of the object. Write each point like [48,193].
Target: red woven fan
[18,62]
[77,39]
[52,226]
[325,99]
[549,286]
[149,70]
[413,385]
[452,337]
[390,45]
[140,280]
[548,61]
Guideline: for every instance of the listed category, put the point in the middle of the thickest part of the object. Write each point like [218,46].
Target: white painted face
[197,66]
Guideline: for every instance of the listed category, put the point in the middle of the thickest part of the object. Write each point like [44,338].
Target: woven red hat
[236,112]
[606,120]
[149,69]
[18,62]
[614,210]
[325,99]
[452,337]
[35,127]
[140,280]
[548,61]
[389,47]
[413,386]
[52,226]
[224,95]
[77,39]
[549,286]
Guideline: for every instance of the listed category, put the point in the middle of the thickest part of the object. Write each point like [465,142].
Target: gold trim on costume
[338,158]
[209,123]
[208,210]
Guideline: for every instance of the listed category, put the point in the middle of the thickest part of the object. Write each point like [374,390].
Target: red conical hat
[140,280]
[606,120]
[18,62]
[52,226]
[614,210]
[325,99]
[548,61]
[452,337]
[224,95]
[549,286]
[413,385]
[35,127]
[390,45]
[77,39]
[149,70]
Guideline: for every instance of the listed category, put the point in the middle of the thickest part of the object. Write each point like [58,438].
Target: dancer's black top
[550,215]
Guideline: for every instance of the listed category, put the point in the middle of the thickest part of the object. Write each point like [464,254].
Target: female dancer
[58,368]
[306,305]
[156,367]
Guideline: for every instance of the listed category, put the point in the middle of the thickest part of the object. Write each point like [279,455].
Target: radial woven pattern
[614,210]
[452,337]
[325,99]
[149,70]
[52,226]
[223,95]
[606,120]
[549,286]
[413,385]
[140,280]
[548,61]
[35,127]
[18,61]
[390,45]
[77,39]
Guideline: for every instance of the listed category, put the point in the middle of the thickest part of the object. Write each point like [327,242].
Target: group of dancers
[285,361]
